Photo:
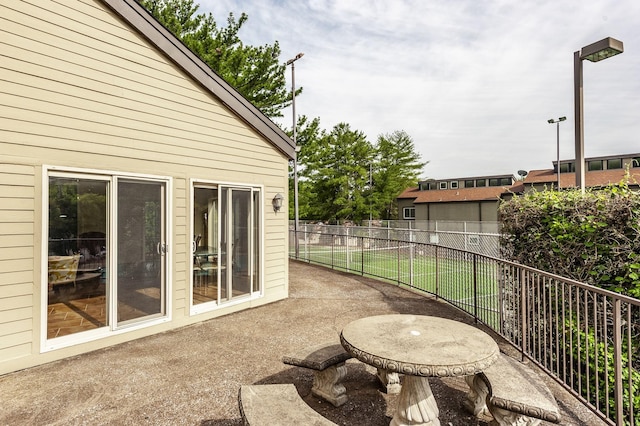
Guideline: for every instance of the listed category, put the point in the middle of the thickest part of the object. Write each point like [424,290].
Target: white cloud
[472,82]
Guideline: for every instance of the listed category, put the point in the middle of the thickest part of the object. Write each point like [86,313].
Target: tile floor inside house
[74,315]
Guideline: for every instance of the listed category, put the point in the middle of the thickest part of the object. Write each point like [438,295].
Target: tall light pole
[551,121]
[295,143]
[594,52]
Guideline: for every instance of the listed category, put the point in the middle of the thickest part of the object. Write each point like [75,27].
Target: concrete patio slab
[191,376]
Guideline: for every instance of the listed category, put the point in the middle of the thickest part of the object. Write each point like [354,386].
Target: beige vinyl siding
[81,90]
[16,259]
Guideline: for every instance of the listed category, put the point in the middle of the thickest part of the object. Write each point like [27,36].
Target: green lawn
[451,279]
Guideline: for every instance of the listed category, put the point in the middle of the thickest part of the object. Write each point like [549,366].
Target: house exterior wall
[82,91]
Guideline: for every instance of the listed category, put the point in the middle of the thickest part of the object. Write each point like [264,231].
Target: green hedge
[592,237]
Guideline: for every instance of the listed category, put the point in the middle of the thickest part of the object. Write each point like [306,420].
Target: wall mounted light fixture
[277,202]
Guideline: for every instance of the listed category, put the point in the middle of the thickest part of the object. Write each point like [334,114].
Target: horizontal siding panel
[16,314]
[16,265]
[16,302]
[16,228]
[18,277]
[15,327]
[19,252]
[17,203]
[12,216]
[16,179]
[16,169]
[19,241]
[17,290]
[15,191]
[13,352]
[19,339]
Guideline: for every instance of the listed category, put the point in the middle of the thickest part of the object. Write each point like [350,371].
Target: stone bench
[327,361]
[512,393]
[276,405]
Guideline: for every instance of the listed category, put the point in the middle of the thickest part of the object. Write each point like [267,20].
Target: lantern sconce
[277,202]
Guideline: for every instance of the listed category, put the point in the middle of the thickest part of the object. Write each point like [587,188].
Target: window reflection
[77,253]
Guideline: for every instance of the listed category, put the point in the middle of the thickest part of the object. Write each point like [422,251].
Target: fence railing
[460,235]
[585,337]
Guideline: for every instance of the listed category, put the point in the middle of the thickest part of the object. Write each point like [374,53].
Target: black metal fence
[585,337]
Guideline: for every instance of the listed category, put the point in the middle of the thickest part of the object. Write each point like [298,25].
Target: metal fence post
[475,287]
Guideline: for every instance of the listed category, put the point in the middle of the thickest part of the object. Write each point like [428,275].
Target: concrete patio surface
[191,376]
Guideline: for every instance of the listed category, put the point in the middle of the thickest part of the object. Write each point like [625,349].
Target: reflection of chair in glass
[203,269]
[63,270]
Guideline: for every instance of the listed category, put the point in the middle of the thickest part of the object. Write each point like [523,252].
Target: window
[505,181]
[594,165]
[469,183]
[635,162]
[481,182]
[409,213]
[106,251]
[453,184]
[494,182]
[226,243]
[567,167]
[615,163]
[443,185]
[427,186]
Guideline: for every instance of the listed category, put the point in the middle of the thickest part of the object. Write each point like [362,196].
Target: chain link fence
[476,237]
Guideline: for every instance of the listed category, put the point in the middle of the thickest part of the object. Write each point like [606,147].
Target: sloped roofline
[141,20]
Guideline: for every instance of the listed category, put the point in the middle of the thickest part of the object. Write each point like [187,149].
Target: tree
[308,136]
[254,71]
[397,166]
[336,166]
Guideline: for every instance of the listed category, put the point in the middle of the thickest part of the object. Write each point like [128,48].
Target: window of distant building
[443,185]
[481,182]
[615,163]
[567,168]
[409,213]
[635,162]
[594,165]
[427,186]
[494,182]
[505,181]
[469,183]
[453,184]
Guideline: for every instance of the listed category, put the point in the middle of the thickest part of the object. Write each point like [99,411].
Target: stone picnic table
[419,347]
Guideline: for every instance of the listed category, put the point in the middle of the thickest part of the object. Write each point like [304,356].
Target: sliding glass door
[140,281]
[226,260]
[106,252]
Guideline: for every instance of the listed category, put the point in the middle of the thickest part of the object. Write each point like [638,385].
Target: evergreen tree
[397,166]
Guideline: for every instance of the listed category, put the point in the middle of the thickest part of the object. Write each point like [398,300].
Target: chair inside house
[63,270]
[205,270]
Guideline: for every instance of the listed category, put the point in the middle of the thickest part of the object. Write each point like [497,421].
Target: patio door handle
[161,248]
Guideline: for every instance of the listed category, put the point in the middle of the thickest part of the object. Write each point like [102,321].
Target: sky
[473,82]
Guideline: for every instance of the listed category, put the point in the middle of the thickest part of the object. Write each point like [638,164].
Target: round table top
[420,345]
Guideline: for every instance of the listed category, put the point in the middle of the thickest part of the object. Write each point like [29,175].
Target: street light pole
[297,149]
[594,52]
[551,121]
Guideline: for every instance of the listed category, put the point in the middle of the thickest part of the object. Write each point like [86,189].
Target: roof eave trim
[138,17]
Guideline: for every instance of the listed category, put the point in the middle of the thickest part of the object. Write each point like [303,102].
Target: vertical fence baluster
[617,358]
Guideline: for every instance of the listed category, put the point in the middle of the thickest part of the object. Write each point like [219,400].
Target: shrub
[592,237]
